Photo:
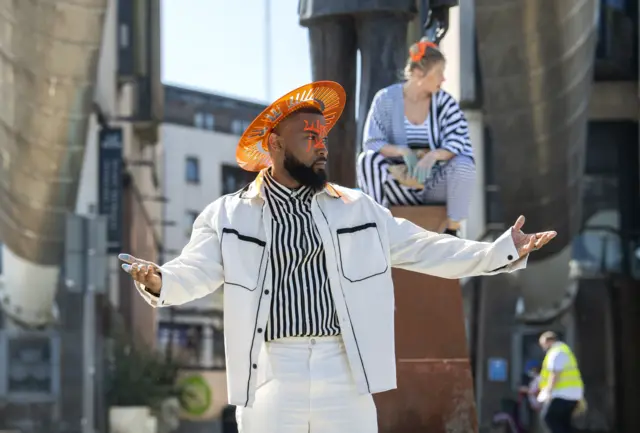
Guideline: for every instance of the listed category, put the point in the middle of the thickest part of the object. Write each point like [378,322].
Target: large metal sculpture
[536,63]
[537,71]
[338,29]
[48,62]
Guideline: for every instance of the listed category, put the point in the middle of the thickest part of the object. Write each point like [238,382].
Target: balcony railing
[193,339]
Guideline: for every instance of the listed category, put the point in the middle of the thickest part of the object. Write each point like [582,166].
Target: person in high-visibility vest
[561,386]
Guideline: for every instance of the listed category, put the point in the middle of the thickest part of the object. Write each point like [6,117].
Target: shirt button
[266,292]
[255,365]
[509,257]
[259,330]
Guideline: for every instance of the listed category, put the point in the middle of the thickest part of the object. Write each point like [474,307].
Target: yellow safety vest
[569,377]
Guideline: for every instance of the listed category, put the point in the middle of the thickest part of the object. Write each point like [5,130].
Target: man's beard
[303,173]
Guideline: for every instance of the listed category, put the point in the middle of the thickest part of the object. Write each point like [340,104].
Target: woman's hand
[422,170]
[408,155]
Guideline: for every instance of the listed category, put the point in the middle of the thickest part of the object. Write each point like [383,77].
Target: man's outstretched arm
[195,273]
[419,250]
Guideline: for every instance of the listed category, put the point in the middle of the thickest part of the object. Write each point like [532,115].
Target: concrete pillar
[626,318]
[594,346]
[496,324]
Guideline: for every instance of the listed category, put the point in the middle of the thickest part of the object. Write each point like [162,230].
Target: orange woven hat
[329,97]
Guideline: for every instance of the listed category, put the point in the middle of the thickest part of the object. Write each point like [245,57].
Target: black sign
[31,361]
[126,34]
[110,185]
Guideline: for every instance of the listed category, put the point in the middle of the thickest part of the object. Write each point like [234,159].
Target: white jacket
[362,240]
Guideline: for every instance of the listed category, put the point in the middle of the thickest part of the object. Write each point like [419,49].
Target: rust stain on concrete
[435,386]
[434,398]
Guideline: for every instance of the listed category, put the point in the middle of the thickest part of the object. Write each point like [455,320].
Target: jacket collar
[256,188]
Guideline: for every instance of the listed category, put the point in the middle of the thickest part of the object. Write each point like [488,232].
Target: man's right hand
[145,273]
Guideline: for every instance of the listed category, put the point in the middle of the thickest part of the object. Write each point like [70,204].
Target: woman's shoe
[451,232]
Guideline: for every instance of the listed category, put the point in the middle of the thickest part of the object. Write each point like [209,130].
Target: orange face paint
[318,138]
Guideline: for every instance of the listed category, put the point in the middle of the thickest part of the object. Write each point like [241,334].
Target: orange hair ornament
[417,51]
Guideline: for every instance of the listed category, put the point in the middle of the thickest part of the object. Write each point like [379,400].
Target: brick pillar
[435,386]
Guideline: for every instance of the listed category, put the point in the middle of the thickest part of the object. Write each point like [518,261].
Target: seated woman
[416,146]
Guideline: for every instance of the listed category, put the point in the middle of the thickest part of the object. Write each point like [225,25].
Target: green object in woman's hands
[411,161]
[423,168]
[421,174]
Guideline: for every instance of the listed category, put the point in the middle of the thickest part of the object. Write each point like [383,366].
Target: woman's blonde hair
[423,55]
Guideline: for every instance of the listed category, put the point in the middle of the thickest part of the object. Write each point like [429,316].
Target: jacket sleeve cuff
[149,297]
[504,256]
[157,300]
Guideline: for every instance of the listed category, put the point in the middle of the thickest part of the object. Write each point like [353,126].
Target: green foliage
[138,376]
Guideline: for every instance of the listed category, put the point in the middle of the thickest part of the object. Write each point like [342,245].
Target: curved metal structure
[49,52]
[536,61]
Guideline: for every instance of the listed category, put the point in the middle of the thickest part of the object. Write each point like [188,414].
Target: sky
[219,46]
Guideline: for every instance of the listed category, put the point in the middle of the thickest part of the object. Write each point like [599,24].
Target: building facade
[199,135]
[128,99]
[70,369]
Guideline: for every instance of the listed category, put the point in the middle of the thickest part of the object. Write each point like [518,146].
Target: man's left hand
[527,243]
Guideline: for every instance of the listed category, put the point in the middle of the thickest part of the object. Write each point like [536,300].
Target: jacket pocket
[242,258]
[361,252]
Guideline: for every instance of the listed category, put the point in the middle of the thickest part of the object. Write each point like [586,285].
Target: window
[237,127]
[190,219]
[234,178]
[204,120]
[616,49]
[610,198]
[493,202]
[192,170]
[209,121]
[198,120]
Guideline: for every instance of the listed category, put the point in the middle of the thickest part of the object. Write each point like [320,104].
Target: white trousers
[305,386]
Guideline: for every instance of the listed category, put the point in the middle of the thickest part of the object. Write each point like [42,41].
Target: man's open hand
[142,271]
[527,243]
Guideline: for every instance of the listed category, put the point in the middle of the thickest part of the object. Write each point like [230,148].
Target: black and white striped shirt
[420,137]
[417,135]
[302,304]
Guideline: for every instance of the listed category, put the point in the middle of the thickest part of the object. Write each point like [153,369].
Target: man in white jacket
[306,268]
